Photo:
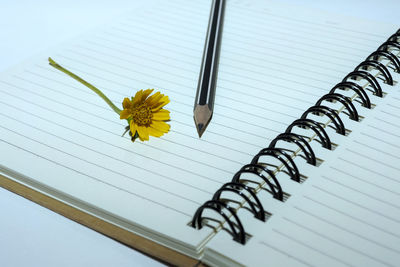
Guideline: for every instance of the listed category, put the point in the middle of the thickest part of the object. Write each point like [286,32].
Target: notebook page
[350,208]
[52,123]
[85,164]
[332,219]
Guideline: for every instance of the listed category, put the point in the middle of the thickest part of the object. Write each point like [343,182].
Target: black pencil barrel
[209,67]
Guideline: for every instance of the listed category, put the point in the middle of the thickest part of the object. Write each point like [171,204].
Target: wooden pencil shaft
[209,67]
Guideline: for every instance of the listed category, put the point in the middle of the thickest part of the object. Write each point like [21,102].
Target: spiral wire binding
[258,167]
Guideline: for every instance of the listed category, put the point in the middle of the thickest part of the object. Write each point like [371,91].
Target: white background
[31,235]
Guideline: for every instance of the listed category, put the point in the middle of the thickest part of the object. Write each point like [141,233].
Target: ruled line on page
[396,98]
[228,173]
[304,244]
[177,111]
[211,153]
[175,91]
[126,150]
[270,53]
[267,82]
[354,203]
[121,124]
[284,79]
[190,116]
[176,35]
[344,229]
[111,32]
[285,253]
[391,123]
[349,215]
[96,151]
[238,36]
[104,130]
[374,159]
[105,142]
[267,100]
[172,130]
[103,154]
[310,24]
[259,89]
[288,51]
[376,172]
[180,92]
[262,108]
[385,131]
[262,27]
[236,118]
[231,55]
[264,35]
[309,85]
[333,240]
[377,149]
[226,126]
[147,66]
[251,8]
[358,191]
[269,23]
[234,57]
[93,47]
[391,105]
[251,11]
[252,21]
[362,179]
[94,178]
[390,114]
[180,68]
[179,198]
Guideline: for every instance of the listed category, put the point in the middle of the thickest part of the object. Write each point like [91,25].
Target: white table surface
[31,235]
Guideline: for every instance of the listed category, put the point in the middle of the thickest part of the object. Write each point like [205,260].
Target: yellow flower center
[142,114]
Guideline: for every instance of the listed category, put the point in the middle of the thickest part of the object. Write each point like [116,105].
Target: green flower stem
[91,87]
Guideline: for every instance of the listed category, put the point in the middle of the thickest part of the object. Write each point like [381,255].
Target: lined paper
[352,208]
[346,213]
[58,134]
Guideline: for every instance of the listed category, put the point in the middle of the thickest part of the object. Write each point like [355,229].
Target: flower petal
[145,94]
[126,103]
[143,133]
[138,96]
[155,132]
[161,126]
[133,127]
[125,114]
[163,101]
[154,98]
[161,115]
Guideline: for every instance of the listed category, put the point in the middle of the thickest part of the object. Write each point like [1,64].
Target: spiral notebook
[299,166]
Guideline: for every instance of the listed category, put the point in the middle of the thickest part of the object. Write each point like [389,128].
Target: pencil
[205,95]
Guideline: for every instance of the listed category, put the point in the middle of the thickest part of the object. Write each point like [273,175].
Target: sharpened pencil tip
[202,116]
[200,129]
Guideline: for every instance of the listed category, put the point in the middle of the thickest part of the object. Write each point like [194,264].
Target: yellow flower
[145,114]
